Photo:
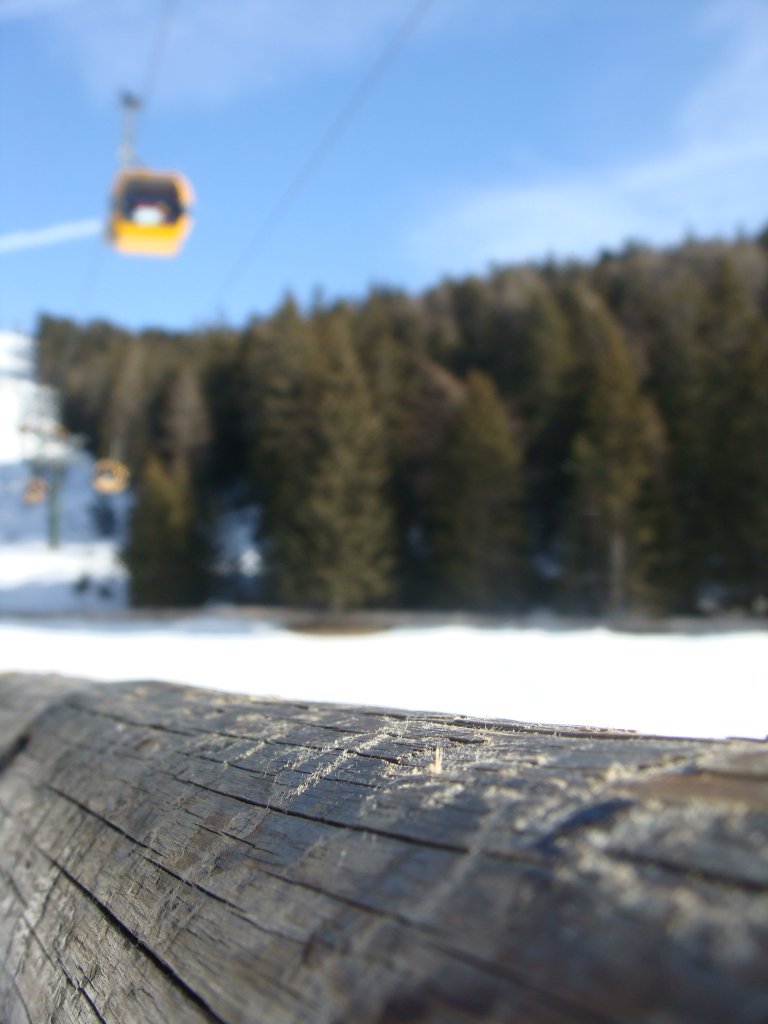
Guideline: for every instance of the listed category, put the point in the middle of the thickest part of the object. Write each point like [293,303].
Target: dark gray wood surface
[177,855]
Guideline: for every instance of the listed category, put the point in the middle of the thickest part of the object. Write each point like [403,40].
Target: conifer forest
[590,438]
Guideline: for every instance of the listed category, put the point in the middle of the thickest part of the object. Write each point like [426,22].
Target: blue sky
[502,130]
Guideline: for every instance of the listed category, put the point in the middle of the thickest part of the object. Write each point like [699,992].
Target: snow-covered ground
[34,578]
[708,684]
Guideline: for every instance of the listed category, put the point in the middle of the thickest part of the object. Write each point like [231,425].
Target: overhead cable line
[157,53]
[133,102]
[333,133]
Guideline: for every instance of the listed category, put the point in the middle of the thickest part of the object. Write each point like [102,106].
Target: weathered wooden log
[175,855]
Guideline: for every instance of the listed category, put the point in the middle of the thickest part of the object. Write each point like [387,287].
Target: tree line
[584,436]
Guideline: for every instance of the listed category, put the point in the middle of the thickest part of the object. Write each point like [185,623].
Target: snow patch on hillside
[83,571]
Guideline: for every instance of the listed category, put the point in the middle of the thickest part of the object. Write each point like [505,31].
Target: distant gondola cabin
[150,213]
[110,476]
[35,491]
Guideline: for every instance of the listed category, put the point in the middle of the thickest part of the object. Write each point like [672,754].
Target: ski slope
[705,684]
[32,577]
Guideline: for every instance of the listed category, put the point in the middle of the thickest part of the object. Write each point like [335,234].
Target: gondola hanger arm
[131,104]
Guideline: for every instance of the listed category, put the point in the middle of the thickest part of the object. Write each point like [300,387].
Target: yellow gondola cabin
[150,214]
[110,476]
[35,491]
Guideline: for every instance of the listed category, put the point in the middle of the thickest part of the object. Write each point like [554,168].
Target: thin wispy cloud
[731,104]
[217,52]
[54,235]
[699,193]
[710,180]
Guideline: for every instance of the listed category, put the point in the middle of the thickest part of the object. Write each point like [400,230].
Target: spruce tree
[611,465]
[277,410]
[169,553]
[185,423]
[333,539]
[677,381]
[476,522]
[542,360]
[124,428]
[734,477]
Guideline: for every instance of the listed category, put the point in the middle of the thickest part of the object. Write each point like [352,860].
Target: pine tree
[734,477]
[277,412]
[543,363]
[543,360]
[169,553]
[476,522]
[391,370]
[677,381]
[333,537]
[185,423]
[611,464]
[222,383]
[124,427]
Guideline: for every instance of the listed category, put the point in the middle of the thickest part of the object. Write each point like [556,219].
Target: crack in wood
[151,849]
[691,871]
[233,907]
[12,751]
[113,921]
[583,818]
[58,964]
[17,990]
[99,817]
[163,966]
[11,881]
[80,990]
[87,709]
[292,767]
[403,837]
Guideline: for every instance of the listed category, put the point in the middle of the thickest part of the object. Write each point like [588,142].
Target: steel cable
[316,155]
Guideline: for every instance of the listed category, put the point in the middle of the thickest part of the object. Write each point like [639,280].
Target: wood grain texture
[177,855]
